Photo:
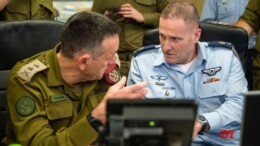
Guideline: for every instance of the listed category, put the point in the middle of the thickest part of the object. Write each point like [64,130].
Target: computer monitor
[150,122]
[251,120]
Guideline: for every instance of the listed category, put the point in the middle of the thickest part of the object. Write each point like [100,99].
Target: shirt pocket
[59,110]
[225,10]
[146,2]
[211,95]
[18,10]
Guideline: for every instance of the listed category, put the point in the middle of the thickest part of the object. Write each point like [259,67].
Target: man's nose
[166,45]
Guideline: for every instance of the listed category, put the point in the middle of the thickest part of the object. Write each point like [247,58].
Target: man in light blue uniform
[225,11]
[181,67]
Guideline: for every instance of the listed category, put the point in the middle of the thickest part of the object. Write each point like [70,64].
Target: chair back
[19,40]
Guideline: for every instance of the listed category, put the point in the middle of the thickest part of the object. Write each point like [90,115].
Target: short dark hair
[181,9]
[85,31]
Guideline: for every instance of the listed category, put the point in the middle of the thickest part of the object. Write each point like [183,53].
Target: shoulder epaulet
[225,45]
[145,48]
[29,70]
[220,44]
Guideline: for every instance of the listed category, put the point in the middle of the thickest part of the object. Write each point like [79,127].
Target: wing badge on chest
[211,71]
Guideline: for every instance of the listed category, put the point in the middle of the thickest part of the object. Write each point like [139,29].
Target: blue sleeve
[229,114]
[209,11]
[134,75]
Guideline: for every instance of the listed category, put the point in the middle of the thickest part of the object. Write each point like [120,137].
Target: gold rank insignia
[30,69]
[25,106]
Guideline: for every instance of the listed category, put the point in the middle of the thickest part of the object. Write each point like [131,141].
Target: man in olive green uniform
[27,10]
[250,21]
[135,17]
[58,97]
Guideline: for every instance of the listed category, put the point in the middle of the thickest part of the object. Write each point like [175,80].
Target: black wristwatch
[204,122]
[95,123]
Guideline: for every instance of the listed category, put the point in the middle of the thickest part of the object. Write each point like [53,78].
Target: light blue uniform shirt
[215,80]
[225,11]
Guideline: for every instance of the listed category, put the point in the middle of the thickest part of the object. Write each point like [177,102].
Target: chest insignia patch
[29,70]
[114,76]
[211,71]
[159,77]
[25,106]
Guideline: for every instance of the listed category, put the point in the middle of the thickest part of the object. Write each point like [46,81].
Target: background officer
[134,17]
[27,10]
[250,21]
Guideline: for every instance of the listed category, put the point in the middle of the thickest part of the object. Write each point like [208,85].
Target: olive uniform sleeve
[30,123]
[251,14]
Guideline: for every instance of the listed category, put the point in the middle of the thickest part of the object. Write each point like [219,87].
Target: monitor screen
[251,119]
[150,122]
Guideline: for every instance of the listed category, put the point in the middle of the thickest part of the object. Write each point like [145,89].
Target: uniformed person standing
[250,21]
[27,10]
[135,17]
[58,97]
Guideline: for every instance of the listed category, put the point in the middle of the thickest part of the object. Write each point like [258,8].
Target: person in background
[27,10]
[184,68]
[223,11]
[134,17]
[58,97]
[226,12]
[250,21]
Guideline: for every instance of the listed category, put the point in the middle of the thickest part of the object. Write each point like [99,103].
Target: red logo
[227,134]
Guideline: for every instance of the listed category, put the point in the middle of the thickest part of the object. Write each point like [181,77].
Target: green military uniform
[44,110]
[28,10]
[252,17]
[131,36]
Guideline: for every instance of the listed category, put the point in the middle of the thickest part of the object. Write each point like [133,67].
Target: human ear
[197,35]
[83,61]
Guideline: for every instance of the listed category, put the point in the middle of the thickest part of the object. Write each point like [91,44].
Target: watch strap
[204,123]
[94,122]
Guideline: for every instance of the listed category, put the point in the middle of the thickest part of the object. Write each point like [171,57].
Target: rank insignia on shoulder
[25,106]
[29,70]
[211,71]
[145,48]
[221,44]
